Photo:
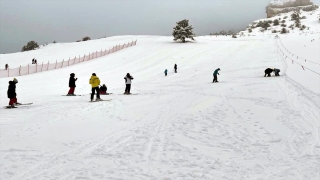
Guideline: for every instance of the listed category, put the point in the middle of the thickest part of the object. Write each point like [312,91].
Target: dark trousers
[215,78]
[175,70]
[128,87]
[71,90]
[93,91]
[269,74]
[165,74]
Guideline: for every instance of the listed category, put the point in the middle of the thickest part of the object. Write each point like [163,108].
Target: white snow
[178,127]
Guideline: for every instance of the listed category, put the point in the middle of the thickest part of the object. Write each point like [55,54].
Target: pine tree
[182,31]
[30,46]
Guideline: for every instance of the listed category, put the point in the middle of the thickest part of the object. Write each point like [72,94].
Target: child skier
[215,77]
[12,93]
[128,79]
[95,82]
[165,72]
[103,89]
[72,84]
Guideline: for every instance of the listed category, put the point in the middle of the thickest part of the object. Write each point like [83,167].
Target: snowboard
[130,94]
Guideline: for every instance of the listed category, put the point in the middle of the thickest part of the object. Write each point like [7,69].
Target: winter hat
[15,80]
[93,74]
[104,85]
[72,74]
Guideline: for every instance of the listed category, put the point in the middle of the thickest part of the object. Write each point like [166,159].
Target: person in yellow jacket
[95,82]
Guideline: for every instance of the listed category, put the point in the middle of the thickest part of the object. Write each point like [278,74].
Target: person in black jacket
[72,84]
[175,68]
[103,89]
[12,92]
[268,72]
[128,78]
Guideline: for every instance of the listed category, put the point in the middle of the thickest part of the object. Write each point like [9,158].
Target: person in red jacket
[72,84]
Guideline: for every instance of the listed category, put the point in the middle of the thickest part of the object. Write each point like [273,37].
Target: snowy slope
[178,127]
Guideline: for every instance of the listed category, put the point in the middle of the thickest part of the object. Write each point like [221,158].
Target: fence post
[8,72]
[55,67]
[19,71]
[68,61]
[41,66]
[62,63]
[48,66]
[36,68]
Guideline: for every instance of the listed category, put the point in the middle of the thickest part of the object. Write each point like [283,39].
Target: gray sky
[45,21]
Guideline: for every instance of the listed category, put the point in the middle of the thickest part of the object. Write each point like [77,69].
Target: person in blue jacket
[215,77]
[165,72]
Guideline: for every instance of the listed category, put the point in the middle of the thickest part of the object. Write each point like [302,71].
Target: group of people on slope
[95,83]
[268,72]
[34,61]
[175,67]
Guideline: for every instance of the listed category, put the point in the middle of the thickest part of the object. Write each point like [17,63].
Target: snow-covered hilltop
[297,21]
[283,6]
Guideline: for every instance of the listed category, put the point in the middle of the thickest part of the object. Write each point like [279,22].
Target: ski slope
[181,126]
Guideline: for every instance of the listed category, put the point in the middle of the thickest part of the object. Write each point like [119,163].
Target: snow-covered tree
[182,31]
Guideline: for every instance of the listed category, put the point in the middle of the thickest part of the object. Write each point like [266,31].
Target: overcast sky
[45,21]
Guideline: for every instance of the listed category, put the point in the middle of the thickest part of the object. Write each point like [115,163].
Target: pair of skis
[16,106]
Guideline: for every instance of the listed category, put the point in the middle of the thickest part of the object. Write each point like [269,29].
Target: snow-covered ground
[311,22]
[181,126]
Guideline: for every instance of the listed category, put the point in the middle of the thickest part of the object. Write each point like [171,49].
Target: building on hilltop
[283,6]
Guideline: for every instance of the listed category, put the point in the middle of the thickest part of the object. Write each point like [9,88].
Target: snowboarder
[165,72]
[95,82]
[175,68]
[276,72]
[215,77]
[103,89]
[6,66]
[268,72]
[12,92]
[128,79]
[72,84]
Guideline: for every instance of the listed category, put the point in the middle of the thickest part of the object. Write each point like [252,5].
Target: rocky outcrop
[283,6]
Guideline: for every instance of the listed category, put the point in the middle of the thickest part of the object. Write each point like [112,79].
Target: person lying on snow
[103,90]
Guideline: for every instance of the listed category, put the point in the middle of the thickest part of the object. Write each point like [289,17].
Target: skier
[72,84]
[95,82]
[103,89]
[6,66]
[175,68]
[268,72]
[165,72]
[128,79]
[33,61]
[276,72]
[12,93]
[215,77]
